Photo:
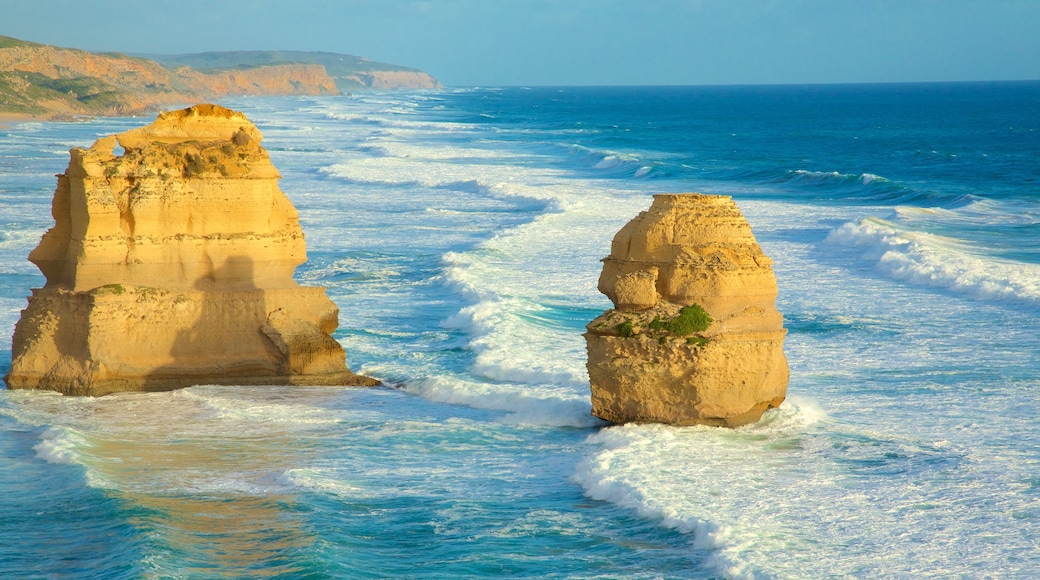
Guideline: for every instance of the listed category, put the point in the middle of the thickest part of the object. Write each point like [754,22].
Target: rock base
[132,338]
[641,379]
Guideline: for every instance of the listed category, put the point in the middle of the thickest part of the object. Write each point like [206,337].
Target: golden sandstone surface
[171,265]
[688,249]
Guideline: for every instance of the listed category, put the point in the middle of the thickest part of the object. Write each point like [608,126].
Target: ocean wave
[368,266]
[765,500]
[524,404]
[352,118]
[834,185]
[242,407]
[60,445]
[867,186]
[670,475]
[931,260]
[514,185]
[19,238]
[979,211]
[611,163]
[510,323]
[380,151]
[325,481]
[391,117]
[833,177]
[495,327]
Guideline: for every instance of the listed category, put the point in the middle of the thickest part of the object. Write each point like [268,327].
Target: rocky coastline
[43,82]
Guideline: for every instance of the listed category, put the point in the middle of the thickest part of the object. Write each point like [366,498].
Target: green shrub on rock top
[691,319]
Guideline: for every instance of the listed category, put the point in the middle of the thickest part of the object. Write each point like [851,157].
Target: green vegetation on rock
[691,319]
[625,329]
[696,340]
[109,289]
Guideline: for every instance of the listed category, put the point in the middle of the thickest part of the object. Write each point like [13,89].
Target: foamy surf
[522,404]
[59,445]
[763,499]
[929,260]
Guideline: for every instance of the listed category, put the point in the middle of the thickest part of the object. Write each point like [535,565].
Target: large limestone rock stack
[695,337]
[171,265]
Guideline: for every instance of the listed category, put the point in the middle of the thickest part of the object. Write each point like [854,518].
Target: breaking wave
[932,260]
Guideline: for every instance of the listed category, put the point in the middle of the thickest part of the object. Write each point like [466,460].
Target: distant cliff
[48,81]
[350,73]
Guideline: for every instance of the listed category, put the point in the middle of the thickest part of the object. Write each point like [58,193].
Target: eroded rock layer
[695,337]
[171,265]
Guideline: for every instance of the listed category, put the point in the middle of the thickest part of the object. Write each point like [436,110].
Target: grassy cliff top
[8,42]
[335,64]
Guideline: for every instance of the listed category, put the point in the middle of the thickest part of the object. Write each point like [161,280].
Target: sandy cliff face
[171,265]
[87,83]
[282,79]
[144,76]
[395,80]
[656,357]
[54,62]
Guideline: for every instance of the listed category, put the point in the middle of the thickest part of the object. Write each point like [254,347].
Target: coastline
[8,119]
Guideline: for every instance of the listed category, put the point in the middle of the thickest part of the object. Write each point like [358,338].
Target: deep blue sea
[460,233]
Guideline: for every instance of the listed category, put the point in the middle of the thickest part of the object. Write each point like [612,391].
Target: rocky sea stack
[171,265]
[695,337]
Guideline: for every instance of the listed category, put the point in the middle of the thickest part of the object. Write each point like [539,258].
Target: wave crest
[931,260]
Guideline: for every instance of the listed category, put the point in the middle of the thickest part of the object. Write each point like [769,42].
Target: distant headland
[49,82]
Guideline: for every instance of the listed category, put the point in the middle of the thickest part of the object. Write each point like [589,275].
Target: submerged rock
[695,337]
[171,265]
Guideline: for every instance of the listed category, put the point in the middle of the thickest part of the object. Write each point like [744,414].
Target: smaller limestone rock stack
[695,337]
[171,265]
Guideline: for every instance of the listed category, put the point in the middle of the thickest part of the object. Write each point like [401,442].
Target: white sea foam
[247,407]
[324,481]
[931,260]
[767,499]
[510,347]
[407,169]
[59,445]
[510,321]
[19,239]
[526,404]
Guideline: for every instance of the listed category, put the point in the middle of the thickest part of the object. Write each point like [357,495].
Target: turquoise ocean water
[460,233]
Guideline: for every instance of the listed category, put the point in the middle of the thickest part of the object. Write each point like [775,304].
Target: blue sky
[579,42]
